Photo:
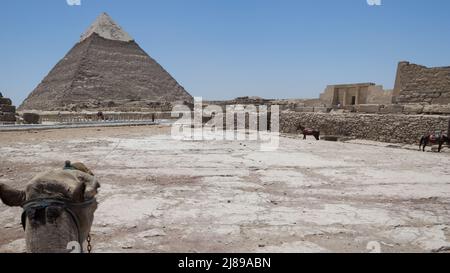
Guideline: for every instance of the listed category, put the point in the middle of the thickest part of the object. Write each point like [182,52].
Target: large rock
[7,117]
[437,109]
[31,118]
[7,111]
[304,109]
[413,109]
[392,109]
[5,101]
[368,108]
[320,109]
[7,108]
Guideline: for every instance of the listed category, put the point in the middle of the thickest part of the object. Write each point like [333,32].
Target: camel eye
[53,213]
[43,216]
[36,217]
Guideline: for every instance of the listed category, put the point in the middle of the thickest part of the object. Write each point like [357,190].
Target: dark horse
[434,139]
[309,132]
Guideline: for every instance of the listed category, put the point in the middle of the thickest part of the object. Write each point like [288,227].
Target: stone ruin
[417,84]
[355,94]
[7,111]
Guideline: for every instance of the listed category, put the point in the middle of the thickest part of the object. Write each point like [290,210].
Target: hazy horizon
[226,49]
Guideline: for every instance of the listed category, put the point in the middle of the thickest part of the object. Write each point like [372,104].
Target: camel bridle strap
[66,205]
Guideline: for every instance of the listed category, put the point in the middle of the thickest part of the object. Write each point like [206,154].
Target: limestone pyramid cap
[105,27]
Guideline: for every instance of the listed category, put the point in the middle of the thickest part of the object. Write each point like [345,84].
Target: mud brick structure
[420,84]
[355,94]
[7,111]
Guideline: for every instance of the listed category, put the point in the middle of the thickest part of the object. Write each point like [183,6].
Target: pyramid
[105,68]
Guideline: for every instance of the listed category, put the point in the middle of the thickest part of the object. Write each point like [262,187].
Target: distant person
[100,116]
[339,105]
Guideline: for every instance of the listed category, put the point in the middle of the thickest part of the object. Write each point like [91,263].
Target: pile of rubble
[7,111]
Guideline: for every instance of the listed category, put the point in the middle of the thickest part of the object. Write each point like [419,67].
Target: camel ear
[92,189]
[78,193]
[90,185]
[11,197]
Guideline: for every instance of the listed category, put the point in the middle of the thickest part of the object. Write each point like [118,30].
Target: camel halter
[67,205]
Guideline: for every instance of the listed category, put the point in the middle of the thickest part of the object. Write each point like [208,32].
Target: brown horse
[436,138]
[309,132]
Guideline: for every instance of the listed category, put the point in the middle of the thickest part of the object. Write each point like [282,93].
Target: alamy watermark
[230,123]
[374,2]
[73,2]
[372,247]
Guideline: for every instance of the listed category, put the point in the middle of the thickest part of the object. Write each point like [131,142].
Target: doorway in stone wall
[353,100]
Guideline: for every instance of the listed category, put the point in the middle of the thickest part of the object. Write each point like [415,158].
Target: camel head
[58,207]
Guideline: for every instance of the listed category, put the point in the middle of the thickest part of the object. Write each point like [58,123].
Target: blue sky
[221,49]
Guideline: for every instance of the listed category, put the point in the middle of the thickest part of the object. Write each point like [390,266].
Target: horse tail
[422,140]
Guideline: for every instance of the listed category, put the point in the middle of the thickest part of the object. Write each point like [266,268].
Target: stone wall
[420,84]
[407,109]
[110,116]
[7,111]
[385,128]
[377,95]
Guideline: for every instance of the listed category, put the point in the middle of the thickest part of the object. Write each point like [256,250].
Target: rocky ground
[164,195]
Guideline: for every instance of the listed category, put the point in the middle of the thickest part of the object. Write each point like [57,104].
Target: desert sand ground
[164,195]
